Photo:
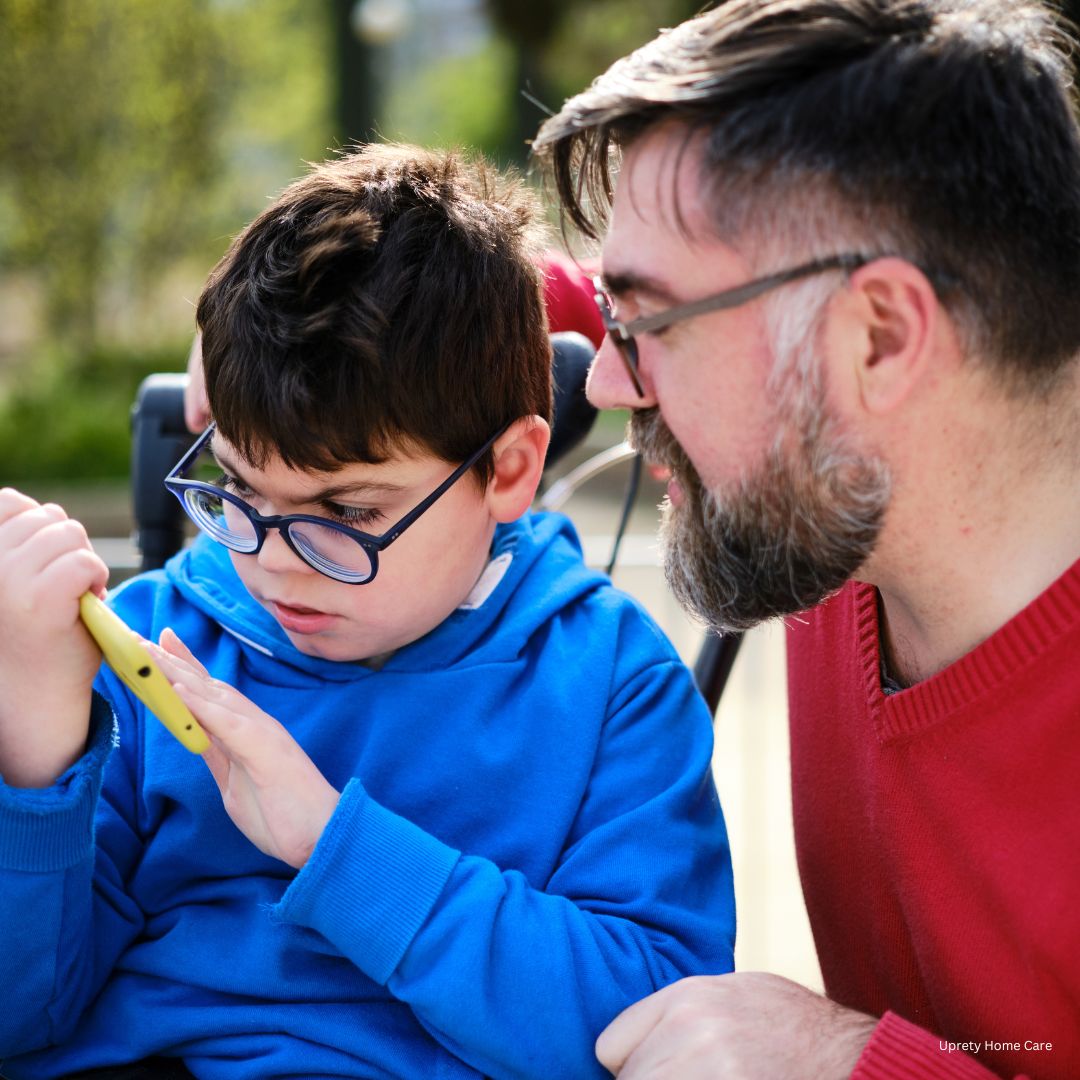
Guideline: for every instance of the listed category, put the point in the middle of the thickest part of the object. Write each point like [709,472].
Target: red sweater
[938,838]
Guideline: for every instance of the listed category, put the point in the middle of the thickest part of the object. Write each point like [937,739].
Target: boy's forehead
[407,464]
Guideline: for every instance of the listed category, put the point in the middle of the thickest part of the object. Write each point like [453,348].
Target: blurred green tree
[130,132]
[356,100]
[106,131]
[135,139]
[541,53]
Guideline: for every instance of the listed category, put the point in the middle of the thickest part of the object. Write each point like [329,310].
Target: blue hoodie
[528,841]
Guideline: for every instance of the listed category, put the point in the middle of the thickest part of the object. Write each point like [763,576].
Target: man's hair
[942,131]
[388,300]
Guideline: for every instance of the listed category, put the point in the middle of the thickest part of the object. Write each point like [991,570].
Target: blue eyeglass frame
[372,545]
[623,333]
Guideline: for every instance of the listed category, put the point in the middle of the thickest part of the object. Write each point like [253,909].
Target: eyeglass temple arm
[395,530]
[194,451]
[740,295]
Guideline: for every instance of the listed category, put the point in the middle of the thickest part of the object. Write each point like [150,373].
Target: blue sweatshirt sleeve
[518,977]
[64,916]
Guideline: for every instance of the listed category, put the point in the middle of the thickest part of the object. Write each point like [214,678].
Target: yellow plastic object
[130,660]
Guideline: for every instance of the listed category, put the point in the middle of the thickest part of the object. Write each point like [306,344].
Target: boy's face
[423,576]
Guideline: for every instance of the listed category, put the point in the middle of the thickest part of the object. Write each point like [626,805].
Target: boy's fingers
[174,667]
[76,572]
[218,764]
[192,674]
[14,502]
[171,643]
[24,524]
[216,718]
[224,712]
[50,543]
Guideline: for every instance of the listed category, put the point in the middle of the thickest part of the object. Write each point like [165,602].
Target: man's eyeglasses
[336,550]
[623,334]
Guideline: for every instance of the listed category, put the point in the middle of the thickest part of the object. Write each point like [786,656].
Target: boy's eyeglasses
[336,550]
[623,334]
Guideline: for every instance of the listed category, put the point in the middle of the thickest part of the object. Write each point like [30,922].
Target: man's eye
[352,515]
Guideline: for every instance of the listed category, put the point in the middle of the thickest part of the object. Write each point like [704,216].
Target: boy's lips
[300,620]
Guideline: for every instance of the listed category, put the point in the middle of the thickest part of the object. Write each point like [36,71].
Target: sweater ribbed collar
[979,673]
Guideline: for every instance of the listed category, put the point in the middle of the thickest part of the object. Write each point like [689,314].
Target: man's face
[771,505]
[793,530]
[423,576]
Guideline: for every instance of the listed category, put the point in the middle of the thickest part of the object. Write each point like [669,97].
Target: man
[840,274]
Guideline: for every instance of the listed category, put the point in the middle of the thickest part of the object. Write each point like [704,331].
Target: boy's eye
[355,516]
[231,483]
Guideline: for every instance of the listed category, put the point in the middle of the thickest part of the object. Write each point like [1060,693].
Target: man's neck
[963,555]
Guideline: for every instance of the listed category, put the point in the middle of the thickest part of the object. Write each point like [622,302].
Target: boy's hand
[271,789]
[47,658]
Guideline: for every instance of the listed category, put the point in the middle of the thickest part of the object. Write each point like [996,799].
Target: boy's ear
[519,461]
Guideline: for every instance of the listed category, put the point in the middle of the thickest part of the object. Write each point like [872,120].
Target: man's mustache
[652,439]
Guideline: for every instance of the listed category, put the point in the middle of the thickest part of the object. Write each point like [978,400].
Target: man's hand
[271,789]
[734,1026]
[47,658]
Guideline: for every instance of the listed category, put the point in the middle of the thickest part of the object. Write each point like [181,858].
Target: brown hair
[389,299]
[943,131]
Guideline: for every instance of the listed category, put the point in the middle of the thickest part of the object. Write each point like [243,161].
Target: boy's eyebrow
[327,494]
[225,463]
[357,487]
[622,282]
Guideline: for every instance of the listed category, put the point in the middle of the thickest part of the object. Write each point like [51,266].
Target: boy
[470,851]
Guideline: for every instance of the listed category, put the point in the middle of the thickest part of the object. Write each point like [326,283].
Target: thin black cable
[628,504]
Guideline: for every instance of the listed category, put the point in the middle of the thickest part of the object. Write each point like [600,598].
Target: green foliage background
[137,137]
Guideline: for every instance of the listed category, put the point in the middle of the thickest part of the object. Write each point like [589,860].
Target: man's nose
[609,385]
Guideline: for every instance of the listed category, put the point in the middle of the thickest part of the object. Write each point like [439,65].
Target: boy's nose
[609,385]
[276,557]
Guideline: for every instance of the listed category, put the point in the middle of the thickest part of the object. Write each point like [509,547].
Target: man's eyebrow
[624,282]
[327,494]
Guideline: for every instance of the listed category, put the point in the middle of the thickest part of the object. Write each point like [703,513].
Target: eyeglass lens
[326,549]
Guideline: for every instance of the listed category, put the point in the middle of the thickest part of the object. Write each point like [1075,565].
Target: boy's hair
[942,131]
[388,300]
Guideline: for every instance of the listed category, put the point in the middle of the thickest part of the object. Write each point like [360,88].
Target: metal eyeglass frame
[623,333]
[262,523]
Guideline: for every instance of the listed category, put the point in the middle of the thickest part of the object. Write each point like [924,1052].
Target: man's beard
[791,532]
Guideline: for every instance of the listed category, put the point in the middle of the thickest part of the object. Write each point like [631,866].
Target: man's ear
[519,461]
[889,323]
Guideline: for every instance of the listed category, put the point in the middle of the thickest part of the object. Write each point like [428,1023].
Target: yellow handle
[135,666]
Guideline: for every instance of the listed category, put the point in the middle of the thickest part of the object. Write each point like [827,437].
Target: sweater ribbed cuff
[43,830]
[370,883]
[899,1050]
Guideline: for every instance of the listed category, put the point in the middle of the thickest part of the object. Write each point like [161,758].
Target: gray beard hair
[794,530]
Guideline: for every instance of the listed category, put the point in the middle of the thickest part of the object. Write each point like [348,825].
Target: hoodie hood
[506,596]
